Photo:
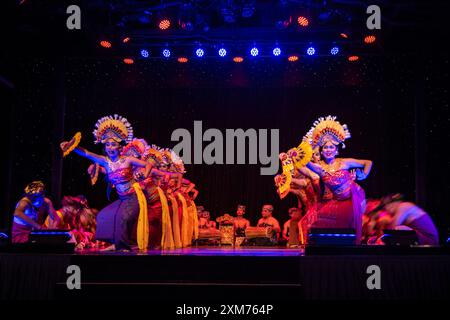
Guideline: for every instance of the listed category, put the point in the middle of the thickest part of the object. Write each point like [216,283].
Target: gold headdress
[137,147]
[35,187]
[327,130]
[153,152]
[113,127]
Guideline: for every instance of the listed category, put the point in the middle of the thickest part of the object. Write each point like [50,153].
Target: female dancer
[344,205]
[115,222]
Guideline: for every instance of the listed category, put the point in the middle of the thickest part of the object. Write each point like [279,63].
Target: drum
[258,232]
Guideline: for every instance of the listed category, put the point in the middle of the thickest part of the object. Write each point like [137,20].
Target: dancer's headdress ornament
[113,127]
[327,130]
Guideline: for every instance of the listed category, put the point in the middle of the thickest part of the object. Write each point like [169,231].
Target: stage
[220,274]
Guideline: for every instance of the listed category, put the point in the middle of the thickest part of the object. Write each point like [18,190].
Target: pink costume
[343,206]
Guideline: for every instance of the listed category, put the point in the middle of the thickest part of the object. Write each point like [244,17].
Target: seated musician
[240,223]
[268,221]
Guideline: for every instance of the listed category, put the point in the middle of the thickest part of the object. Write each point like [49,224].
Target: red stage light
[370,39]
[344,35]
[164,24]
[105,44]
[238,59]
[293,58]
[125,40]
[353,58]
[128,61]
[303,22]
[182,60]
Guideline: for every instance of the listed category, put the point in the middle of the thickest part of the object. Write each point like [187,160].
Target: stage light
[128,61]
[369,39]
[125,40]
[276,52]
[166,53]
[238,59]
[353,58]
[311,51]
[144,53]
[182,59]
[254,52]
[164,24]
[105,44]
[344,35]
[199,52]
[292,58]
[302,21]
[222,52]
[334,51]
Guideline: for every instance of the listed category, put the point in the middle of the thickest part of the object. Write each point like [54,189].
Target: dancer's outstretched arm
[101,160]
[366,165]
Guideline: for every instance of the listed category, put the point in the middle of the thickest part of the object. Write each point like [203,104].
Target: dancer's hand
[90,170]
[63,145]
[360,175]
[353,174]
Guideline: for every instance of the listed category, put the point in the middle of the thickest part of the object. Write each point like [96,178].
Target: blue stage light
[222,52]
[144,53]
[276,52]
[254,52]
[199,53]
[311,51]
[166,53]
[334,51]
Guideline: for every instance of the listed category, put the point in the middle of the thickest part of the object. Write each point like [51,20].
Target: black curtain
[376,98]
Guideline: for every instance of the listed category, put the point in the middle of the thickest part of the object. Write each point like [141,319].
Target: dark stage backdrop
[397,114]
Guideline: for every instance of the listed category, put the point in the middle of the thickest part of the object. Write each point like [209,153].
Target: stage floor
[208,251]
[217,274]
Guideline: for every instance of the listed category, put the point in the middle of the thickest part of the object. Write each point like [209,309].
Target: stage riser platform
[214,278]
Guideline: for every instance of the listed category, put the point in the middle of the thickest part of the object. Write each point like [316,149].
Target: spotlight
[128,61]
[199,52]
[222,52]
[182,59]
[334,51]
[166,53]
[370,39]
[144,53]
[238,59]
[105,44]
[276,52]
[126,39]
[254,52]
[164,24]
[311,51]
[353,58]
[344,35]
[302,21]
[292,58]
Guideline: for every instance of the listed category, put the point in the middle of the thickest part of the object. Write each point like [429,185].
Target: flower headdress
[327,130]
[34,188]
[113,127]
[136,146]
